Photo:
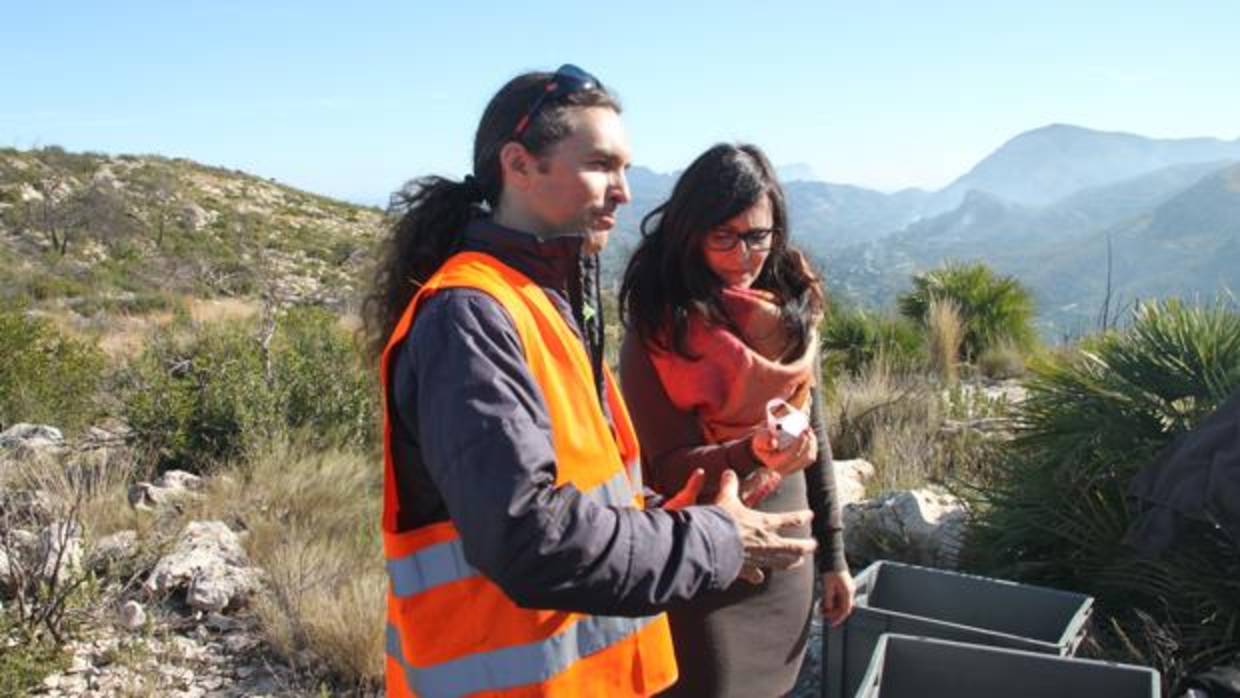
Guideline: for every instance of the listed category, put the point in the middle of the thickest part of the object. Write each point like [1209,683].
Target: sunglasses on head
[566,80]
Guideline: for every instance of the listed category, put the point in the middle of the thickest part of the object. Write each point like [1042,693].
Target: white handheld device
[785,422]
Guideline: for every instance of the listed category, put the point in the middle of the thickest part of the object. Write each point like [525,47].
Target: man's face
[579,182]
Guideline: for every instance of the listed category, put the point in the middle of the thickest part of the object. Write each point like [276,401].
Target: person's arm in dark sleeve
[823,495]
[671,440]
[485,437]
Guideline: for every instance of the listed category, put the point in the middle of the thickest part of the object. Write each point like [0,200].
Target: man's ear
[517,165]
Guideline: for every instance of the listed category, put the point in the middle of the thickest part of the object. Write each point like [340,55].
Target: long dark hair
[667,279]
[429,213]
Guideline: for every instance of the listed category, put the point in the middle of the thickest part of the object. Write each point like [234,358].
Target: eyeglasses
[754,239]
[567,80]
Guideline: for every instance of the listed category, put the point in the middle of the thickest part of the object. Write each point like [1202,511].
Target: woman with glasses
[721,315]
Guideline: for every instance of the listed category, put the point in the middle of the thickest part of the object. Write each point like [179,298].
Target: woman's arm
[823,495]
[671,440]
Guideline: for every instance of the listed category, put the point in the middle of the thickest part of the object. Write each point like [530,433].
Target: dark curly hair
[667,279]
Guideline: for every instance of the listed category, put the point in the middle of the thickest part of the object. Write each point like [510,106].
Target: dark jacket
[1196,478]
[471,439]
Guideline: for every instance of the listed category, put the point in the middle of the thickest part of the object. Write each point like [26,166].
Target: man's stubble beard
[594,241]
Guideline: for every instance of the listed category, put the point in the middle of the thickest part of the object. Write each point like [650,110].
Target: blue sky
[351,99]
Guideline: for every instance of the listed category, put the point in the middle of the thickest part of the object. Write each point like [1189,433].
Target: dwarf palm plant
[1054,510]
[852,339]
[993,308]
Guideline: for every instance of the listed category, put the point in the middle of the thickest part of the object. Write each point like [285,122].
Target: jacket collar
[548,262]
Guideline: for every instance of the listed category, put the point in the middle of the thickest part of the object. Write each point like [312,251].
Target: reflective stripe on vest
[518,665]
[445,562]
[451,631]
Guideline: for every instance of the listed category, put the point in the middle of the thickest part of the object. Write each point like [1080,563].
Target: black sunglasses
[567,80]
[754,239]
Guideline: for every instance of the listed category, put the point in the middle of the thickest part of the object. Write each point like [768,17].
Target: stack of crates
[965,610]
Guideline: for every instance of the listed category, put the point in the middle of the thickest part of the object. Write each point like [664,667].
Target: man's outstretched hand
[761,533]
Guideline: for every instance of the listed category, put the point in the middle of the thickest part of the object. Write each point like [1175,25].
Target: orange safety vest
[453,632]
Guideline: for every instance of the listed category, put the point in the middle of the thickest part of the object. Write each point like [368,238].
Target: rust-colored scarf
[729,385]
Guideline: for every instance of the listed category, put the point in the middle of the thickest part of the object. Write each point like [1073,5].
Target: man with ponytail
[523,558]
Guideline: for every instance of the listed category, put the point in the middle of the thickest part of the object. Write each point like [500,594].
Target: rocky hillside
[90,230]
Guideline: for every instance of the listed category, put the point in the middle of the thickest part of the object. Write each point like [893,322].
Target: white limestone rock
[167,490]
[113,548]
[923,526]
[850,479]
[132,616]
[180,480]
[60,551]
[209,563]
[27,440]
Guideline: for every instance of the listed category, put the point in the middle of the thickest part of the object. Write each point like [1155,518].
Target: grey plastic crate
[918,667]
[898,598]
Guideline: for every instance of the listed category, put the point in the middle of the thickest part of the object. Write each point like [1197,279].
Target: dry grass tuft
[206,310]
[945,330]
[97,478]
[312,518]
[1002,361]
[326,598]
[895,421]
[125,336]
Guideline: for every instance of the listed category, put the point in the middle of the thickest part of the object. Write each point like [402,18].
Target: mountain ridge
[232,233]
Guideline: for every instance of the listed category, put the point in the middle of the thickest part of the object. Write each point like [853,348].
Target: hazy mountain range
[1041,207]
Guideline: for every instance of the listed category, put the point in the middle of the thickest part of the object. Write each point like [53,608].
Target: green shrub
[852,339]
[42,286]
[204,395]
[23,666]
[1055,511]
[323,386]
[994,308]
[45,376]
[341,251]
[195,400]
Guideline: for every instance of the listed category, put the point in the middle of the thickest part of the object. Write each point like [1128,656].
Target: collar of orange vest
[554,263]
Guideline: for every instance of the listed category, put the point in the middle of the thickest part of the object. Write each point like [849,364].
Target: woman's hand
[837,596]
[687,496]
[786,461]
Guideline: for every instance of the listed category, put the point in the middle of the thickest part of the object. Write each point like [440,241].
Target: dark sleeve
[671,440]
[485,438]
[823,495]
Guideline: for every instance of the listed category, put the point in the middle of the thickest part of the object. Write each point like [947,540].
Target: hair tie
[473,189]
